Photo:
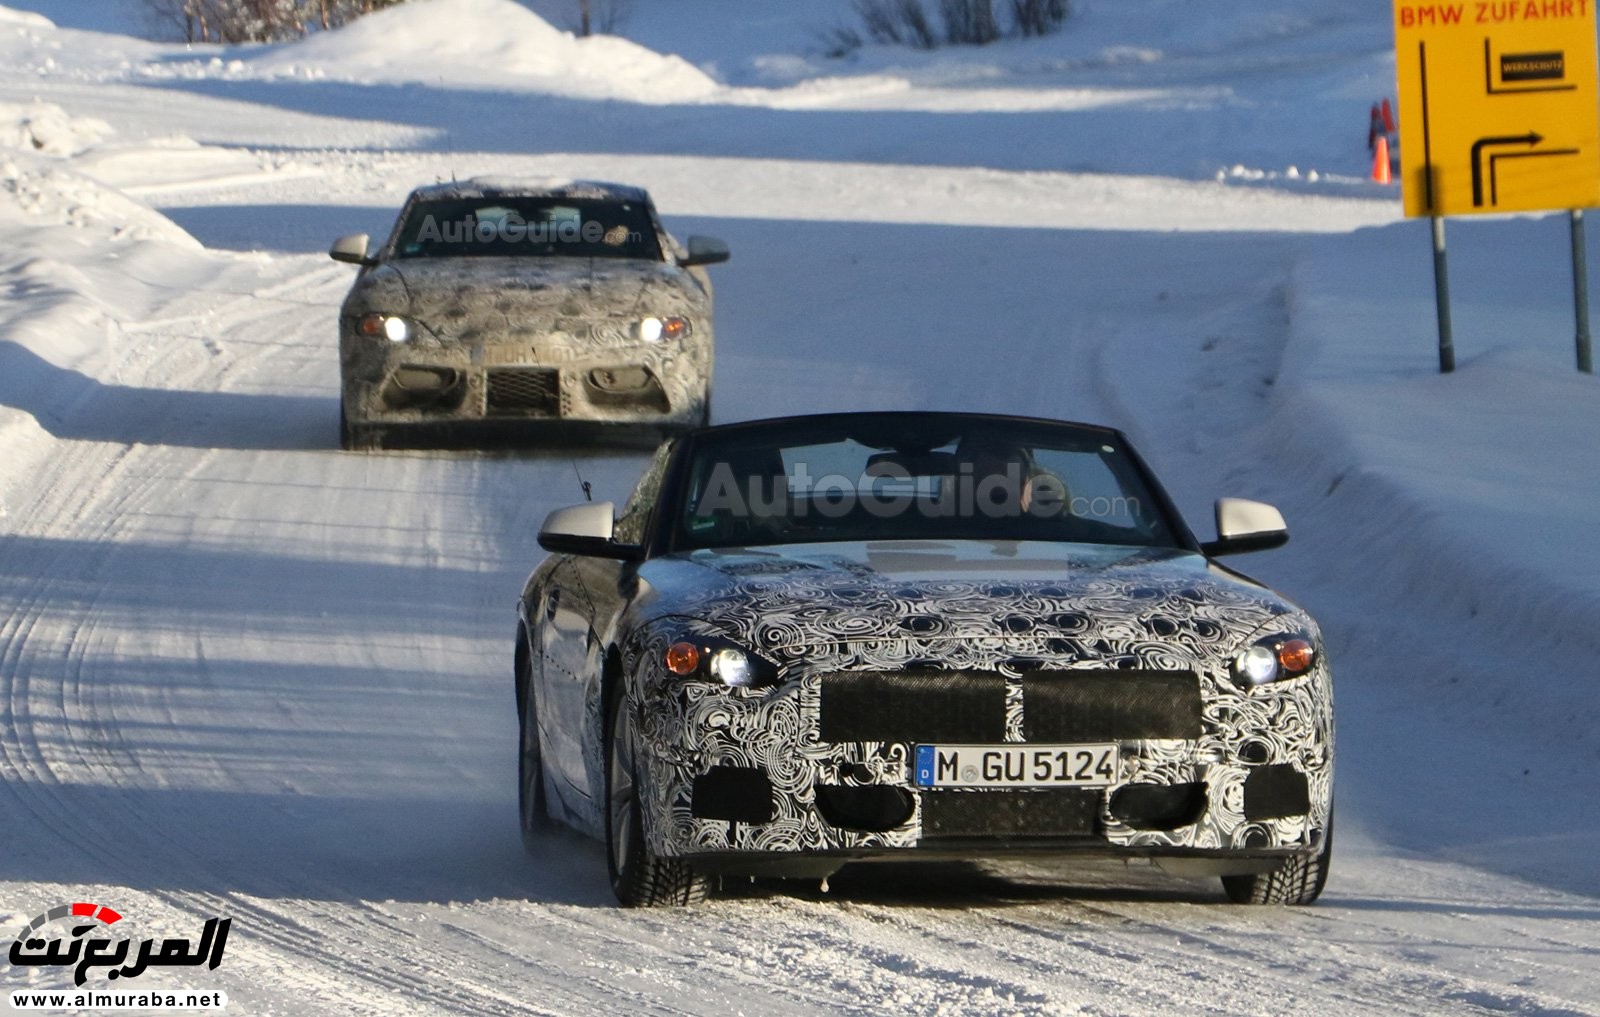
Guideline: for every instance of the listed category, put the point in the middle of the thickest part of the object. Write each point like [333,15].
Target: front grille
[1068,812]
[1058,707]
[1091,706]
[522,392]
[903,706]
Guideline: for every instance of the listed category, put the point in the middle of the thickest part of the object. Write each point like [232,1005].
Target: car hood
[500,299]
[1077,601]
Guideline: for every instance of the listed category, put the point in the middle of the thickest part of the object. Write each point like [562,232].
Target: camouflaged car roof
[530,187]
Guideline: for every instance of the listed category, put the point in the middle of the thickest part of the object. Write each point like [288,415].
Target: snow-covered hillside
[244,674]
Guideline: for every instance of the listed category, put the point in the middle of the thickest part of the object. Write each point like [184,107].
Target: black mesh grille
[523,392]
[928,706]
[1065,813]
[1089,706]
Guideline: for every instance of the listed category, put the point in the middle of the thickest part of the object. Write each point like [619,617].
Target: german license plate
[1016,765]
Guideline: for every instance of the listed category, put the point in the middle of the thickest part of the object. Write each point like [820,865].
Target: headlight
[713,658]
[654,330]
[390,326]
[1274,657]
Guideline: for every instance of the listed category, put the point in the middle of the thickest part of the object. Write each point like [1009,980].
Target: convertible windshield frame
[532,226]
[908,450]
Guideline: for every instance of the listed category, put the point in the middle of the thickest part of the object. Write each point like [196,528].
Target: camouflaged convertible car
[506,303]
[820,640]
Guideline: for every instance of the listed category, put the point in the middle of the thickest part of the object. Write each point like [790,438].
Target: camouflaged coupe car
[820,640]
[524,303]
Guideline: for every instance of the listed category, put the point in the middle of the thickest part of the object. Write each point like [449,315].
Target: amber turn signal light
[683,658]
[1295,656]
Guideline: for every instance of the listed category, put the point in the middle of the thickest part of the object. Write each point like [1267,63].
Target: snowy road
[243,674]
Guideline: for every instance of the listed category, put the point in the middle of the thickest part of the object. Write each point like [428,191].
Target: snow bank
[1466,500]
[79,259]
[482,43]
[46,127]
[161,164]
[39,181]
[23,19]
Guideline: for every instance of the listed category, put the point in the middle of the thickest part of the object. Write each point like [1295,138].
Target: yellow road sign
[1498,105]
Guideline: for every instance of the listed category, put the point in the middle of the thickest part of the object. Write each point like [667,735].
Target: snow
[244,674]
[24,19]
[494,43]
[45,127]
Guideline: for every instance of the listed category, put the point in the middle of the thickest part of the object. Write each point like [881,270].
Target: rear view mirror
[704,251]
[352,249]
[1244,526]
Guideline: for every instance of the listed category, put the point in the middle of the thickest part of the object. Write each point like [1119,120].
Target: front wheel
[1298,881]
[638,877]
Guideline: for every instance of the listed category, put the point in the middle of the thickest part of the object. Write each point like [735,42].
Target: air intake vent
[523,392]
[1072,812]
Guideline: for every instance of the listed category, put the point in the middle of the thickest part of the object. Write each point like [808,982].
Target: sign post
[1580,291]
[1441,299]
[1500,104]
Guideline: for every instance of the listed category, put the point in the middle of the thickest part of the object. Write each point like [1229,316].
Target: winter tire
[638,877]
[1299,881]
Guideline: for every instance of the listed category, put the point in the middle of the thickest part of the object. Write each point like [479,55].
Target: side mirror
[586,530]
[704,251]
[353,250]
[1244,526]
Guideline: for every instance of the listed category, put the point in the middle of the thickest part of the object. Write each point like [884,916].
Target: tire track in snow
[85,713]
[31,675]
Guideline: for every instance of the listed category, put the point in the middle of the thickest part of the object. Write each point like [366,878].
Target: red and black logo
[73,947]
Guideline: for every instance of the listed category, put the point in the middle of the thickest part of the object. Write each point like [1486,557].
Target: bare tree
[599,17]
[235,21]
[896,23]
[969,22]
[965,22]
[1038,17]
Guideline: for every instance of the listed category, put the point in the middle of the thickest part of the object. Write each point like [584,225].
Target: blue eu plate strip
[924,776]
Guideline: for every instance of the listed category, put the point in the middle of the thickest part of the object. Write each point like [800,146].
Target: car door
[566,640]
[580,608]
[611,587]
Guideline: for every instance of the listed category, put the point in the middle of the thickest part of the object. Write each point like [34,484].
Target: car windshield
[527,227]
[915,476]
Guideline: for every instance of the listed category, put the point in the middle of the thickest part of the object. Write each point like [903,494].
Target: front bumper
[758,775]
[665,384]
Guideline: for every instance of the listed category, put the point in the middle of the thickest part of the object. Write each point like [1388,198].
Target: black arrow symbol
[1530,139]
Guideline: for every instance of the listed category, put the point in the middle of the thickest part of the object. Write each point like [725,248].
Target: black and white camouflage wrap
[571,315]
[986,606]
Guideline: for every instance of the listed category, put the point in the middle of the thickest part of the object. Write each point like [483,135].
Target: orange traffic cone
[1380,162]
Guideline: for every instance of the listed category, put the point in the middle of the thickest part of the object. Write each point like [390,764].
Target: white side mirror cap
[1244,526]
[592,520]
[1240,517]
[351,249]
